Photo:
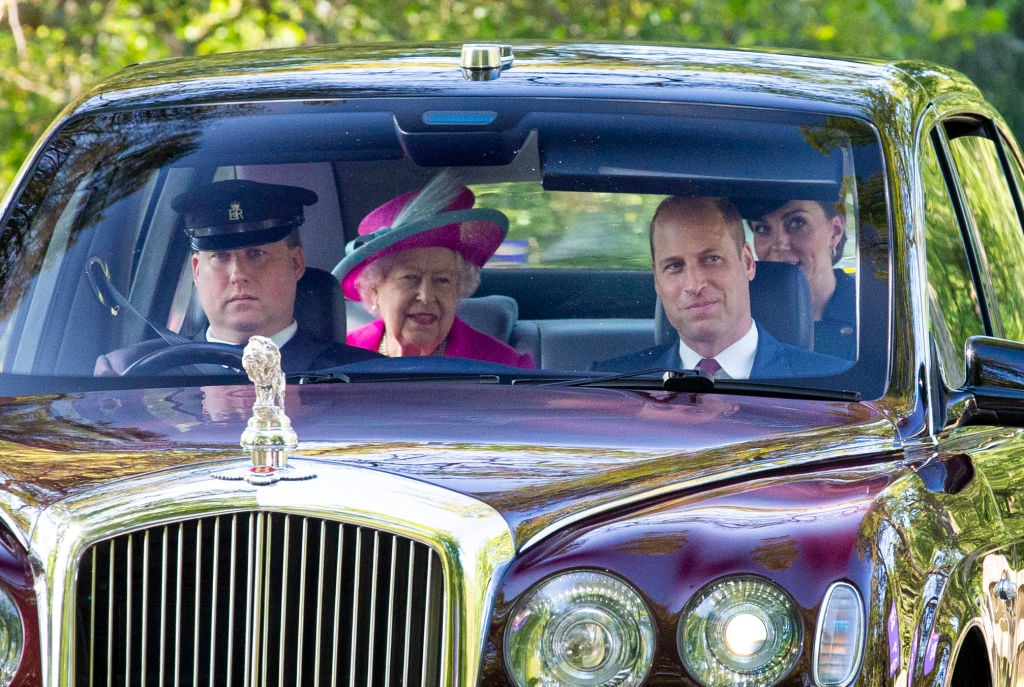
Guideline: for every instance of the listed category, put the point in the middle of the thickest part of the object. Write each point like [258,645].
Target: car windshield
[96,259]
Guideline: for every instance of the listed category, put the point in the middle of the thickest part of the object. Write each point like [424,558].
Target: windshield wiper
[402,376]
[653,378]
[698,381]
[318,378]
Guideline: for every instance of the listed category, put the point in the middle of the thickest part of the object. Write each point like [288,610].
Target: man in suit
[702,271]
[247,258]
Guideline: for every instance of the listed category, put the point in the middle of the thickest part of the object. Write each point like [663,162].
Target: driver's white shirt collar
[735,360]
[280,338]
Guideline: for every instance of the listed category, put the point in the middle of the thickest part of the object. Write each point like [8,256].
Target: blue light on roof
[459,117]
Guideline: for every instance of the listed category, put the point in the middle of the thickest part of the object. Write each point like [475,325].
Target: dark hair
[832,210]
[294,238]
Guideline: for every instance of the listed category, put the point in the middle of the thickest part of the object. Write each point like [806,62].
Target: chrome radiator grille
[259,599]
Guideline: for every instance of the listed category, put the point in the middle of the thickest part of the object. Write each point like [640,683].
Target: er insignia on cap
[234,213]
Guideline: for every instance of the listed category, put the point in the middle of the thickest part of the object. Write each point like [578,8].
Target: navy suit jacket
[772,359]
[835,333]
[302,353]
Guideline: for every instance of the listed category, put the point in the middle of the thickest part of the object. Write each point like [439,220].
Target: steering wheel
[213,357]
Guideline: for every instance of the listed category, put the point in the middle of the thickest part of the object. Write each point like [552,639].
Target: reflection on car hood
[534,454]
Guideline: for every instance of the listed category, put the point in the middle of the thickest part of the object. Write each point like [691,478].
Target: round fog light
[580,629]
[740,632]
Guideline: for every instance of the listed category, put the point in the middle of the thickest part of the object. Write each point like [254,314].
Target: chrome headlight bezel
[580,628]
[12,636]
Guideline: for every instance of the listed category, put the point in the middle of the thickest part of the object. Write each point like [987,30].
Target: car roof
[585,70]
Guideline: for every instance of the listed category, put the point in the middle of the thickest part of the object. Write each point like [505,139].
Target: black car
[552,491]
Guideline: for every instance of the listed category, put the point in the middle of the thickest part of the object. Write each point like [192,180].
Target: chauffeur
[247,259]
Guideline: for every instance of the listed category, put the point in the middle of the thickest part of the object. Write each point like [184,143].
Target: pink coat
[463,342]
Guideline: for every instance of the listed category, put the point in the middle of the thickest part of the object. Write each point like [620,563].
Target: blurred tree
[52,50]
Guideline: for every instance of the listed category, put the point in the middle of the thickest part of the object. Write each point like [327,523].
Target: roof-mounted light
[485,62]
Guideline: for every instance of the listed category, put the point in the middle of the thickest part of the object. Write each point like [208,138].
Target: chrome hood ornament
[268,435]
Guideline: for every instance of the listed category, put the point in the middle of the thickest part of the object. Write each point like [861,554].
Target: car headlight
[740,631]
[582,628]
[840,637]
[12,637]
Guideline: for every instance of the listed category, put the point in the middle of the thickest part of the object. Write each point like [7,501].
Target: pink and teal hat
[408,222]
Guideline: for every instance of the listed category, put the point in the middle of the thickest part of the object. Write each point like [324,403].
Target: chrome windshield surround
[471,539]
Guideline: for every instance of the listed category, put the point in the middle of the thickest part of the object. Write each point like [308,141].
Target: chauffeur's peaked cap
[234,213]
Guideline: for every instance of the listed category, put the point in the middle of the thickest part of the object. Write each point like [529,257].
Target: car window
[577,186]
[571,230]
[994,212]
[954,304]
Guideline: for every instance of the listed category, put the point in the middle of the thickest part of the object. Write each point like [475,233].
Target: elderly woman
[416,257]
[812,234]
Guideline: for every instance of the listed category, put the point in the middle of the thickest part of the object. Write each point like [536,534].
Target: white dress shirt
[736,360]
[280,338]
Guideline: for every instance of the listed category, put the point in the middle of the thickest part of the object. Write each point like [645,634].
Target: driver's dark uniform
[303,352]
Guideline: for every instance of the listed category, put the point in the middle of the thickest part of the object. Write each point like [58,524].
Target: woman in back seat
[812,234]
[416,257]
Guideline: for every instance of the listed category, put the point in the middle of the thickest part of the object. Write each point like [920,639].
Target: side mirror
[995,381]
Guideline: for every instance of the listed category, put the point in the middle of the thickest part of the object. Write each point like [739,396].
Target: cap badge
[235,212]
[268,435]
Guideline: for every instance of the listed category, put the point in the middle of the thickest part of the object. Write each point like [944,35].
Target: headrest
[320,305]
[780,301]
[495,315]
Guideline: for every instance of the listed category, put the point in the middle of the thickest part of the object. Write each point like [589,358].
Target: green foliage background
[51,50]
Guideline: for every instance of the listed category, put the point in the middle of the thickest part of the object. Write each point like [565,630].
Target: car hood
[538,455]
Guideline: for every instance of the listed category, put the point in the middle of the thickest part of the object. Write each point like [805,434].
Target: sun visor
[691,156]
[254,135]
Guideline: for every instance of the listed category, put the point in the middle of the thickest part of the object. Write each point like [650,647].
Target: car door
[975,255]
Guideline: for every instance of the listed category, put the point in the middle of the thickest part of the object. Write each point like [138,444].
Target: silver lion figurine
[268,435]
